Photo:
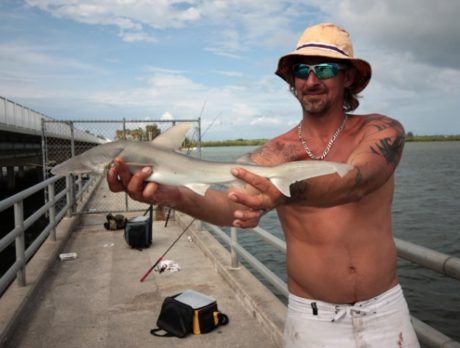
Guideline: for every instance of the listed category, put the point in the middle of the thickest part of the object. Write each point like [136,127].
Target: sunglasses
[322,71]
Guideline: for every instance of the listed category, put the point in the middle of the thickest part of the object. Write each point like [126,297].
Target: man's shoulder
[377,122]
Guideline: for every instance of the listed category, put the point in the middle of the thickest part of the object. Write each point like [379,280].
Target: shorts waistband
[336,311]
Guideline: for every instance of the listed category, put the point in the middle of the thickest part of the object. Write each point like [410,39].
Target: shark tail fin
[93,161]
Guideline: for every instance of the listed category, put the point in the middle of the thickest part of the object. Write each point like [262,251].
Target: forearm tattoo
[298,191]
[358,177]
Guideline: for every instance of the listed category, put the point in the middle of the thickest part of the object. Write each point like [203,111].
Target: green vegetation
[425,138]
[144,134]
[234,142]
[152,131]
[410,137]
[251,142]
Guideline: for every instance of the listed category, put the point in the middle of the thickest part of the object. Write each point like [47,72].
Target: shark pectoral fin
[282,185]
[342,169]
[198,188]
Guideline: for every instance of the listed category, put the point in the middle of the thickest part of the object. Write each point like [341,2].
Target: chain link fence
[64,139]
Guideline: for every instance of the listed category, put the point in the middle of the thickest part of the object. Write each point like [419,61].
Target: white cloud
[238,105]
[264,120]
[37,71]
[129,16]
[226,43]
[231,73]
[22,56]
[137,36]
[236,25]
[167,116]
[425,29]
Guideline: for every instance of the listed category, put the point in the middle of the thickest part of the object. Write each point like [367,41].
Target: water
[426,211]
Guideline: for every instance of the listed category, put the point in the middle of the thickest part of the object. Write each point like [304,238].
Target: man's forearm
[327,191]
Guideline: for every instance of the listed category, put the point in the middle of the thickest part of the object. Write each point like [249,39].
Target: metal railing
[428,258]
[73,191]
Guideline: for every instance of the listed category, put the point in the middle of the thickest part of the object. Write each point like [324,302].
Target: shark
[172,167]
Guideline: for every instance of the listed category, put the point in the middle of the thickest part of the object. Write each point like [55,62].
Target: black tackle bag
[188,312]
[115,222]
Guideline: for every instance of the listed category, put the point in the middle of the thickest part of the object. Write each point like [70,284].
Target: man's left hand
[267,198]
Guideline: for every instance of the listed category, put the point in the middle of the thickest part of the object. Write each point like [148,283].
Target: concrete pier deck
[97,300]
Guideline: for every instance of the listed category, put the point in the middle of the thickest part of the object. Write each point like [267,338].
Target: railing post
[69,195]
[52,211]
[80,186]
[234,254]
[72,178]
[124,138]
[20,244]
[44,155]
[199,137]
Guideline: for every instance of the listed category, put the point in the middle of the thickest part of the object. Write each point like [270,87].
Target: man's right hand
[119,179]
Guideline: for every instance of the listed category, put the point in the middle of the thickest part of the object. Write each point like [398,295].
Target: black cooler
[138,231]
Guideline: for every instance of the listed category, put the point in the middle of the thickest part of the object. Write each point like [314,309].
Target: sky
[183,59]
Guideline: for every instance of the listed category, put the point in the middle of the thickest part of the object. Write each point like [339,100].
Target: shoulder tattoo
[380,123]
[389,147]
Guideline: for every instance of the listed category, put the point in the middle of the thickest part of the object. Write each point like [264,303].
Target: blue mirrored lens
[301,71]
[326,71]
[322,71]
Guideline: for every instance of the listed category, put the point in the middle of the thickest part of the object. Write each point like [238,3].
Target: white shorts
[382,321]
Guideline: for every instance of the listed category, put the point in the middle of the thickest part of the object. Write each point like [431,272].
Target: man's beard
[314,107]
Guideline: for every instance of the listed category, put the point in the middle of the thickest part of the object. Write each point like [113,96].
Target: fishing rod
[164,254]
[211,124]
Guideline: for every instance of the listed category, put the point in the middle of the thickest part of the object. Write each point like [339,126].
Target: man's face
[318,96]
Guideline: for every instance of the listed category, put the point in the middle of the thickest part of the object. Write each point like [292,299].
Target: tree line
[150,132]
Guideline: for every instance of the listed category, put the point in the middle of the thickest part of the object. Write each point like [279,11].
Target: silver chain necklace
[329,144]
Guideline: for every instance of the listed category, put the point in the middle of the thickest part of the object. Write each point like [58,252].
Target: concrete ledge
[260,302]
[16,301]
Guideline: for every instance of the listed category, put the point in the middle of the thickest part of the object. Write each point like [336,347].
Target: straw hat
[326,40]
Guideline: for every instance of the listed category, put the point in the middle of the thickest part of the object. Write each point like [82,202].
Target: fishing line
[164,254]
[210,125]
[169,211]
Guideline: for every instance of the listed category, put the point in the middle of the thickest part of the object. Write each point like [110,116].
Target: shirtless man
[341,258]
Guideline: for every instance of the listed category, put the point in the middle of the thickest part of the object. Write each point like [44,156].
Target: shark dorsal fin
[173,137]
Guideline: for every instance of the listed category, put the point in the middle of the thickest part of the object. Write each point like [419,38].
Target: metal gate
[62,139]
